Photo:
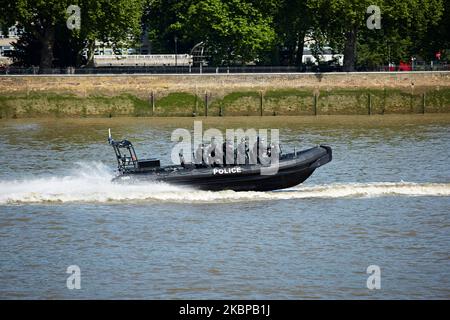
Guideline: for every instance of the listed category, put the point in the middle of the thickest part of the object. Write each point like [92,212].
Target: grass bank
[271,102]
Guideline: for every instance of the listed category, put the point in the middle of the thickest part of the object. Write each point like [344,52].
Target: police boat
[244,174]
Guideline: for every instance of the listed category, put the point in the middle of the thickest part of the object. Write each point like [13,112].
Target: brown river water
[384,200]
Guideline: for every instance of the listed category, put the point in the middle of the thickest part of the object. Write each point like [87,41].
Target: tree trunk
[47,42]
[290,54]
[300,45]
[350,50]
[90,54]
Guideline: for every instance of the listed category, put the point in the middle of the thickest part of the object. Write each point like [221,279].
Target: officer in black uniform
[228,152]
[242,156]
[200,156]
[214,153]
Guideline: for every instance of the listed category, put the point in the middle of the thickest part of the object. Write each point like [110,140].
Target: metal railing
[204,70]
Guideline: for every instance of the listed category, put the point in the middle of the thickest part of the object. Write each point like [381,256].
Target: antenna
[109,136]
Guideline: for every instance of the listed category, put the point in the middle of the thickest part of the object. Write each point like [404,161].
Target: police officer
[182,161]
[274,149]
[214,153]
[228,152]
[199,156]
[259,150]
[242,152]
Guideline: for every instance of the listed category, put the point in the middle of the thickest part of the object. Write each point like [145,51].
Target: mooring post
[195,105]
[411,102]
[424,102]
[261,103]
[206,103]
[152,102]
[315,103]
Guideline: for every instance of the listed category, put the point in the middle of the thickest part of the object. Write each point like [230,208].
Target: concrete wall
[224,94]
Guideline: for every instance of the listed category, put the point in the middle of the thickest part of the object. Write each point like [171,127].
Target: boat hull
[291,170]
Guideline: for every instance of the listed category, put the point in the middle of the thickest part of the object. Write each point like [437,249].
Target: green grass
[60,105]
[281,94]
[288,102]
[178,104]
[343,101]
[239,103]
[438,100]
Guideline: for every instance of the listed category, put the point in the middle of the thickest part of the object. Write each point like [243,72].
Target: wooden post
[315,104]
[369,103]
[196,103]
[411,102]
[424,102]
[261,104]
[152,102]
[206,103]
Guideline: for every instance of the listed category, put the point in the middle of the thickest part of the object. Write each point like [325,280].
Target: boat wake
[92,183]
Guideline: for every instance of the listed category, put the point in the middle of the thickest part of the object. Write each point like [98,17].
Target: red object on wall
[404,66]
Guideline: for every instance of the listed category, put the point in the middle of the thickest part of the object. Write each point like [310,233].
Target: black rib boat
[292,169]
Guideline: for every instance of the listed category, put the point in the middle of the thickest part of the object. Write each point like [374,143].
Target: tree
[404,25]
[424,16]
[235,31]
[162,21]
[43,20]
[292,22]
[342,20]
[66,49]
[39,18]
[116,22]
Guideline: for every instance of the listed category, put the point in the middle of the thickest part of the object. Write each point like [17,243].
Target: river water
[384,200]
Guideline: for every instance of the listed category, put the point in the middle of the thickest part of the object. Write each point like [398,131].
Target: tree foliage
[44,28]
[235,31]
[403,31]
